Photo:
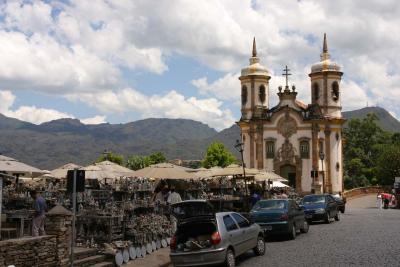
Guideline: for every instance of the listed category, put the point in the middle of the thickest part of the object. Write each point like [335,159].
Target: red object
[172,243]
[215,238]
[284,217]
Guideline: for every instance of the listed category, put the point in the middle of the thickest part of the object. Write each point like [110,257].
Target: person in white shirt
[173,197]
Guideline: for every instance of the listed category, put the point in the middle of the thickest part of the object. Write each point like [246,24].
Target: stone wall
[29,251]
[363,191]
[50,250]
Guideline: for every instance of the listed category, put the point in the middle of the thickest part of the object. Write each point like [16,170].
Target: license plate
[268,228]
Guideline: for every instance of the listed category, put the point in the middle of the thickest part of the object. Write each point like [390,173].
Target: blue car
[320,208]
[279,217]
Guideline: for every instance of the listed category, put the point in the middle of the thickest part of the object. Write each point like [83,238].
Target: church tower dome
[255,68]
[326,64]
[255,87]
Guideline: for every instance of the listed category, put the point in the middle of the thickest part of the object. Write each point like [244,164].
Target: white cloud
[170,105]
[37,115]
[88,46]
[225,88]
[94,120]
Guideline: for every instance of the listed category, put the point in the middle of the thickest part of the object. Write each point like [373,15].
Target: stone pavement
[159,258]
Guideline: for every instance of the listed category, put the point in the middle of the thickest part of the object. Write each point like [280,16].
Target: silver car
[204,237]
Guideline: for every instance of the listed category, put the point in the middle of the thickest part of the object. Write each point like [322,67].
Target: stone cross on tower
[286,74]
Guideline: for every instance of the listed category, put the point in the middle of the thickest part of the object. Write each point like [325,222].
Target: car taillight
[215,238]
[284,217]
[172,243]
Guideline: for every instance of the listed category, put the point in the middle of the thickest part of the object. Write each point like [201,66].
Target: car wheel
[305,227]
[230,258]
[292,234]
[327,217]
[337,217]
[260,248]
[342,210]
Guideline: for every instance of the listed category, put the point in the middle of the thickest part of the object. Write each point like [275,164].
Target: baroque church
[301,142]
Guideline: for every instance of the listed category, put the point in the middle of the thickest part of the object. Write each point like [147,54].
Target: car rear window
[242,222]
[229,223]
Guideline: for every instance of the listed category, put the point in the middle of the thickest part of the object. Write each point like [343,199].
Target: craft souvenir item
[125,255]
[164,243]
[154,245]
[138,252]
[149,248]
[119,259]
[143,251]
[158,243]
[168,240]
[132,252]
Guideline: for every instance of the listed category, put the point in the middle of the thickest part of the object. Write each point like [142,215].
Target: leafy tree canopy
[366,148]
[136,162]
[217,155]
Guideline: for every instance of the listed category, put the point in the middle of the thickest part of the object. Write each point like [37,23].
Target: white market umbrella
[266,175]
[235,169]
[115,168]
[279,184]
[12,167]
[165,171]
[61,172]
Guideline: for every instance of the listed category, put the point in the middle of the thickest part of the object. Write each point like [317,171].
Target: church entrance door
[289,172]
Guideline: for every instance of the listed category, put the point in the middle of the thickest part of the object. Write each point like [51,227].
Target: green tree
[388,164]
[157,157]
[116,158]
[364,140]
[217,155]
[138,162]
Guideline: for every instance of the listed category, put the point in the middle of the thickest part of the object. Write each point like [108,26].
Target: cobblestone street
[365,236]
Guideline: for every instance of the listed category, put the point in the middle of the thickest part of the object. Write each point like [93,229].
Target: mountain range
[52,144]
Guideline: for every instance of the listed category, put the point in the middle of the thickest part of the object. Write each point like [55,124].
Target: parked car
[320,208]
[204,237]
[280,217]
[341,202]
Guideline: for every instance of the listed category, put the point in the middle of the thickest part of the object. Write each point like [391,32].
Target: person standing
[40,207]
[379,200]
[173,197]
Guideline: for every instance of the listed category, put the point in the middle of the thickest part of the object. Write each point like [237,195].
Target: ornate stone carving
[286,153]
[287,126]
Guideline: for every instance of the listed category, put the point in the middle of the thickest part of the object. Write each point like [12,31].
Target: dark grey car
[206,238]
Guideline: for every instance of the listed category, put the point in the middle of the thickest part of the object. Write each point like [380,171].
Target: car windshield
[270,205]
[313,200]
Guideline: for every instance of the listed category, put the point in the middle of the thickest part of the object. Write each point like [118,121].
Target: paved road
[365,236]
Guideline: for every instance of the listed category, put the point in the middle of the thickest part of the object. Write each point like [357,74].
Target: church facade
[301,142]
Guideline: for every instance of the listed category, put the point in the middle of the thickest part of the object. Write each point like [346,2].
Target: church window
[270,149]
[315,89]
[262,93]
[335,91]
[244,95]
[304,149]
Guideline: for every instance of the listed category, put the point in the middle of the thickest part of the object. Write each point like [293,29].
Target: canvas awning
[14,167]
[165,171]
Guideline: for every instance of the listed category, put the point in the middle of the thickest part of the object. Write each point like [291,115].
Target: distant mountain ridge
[52,144]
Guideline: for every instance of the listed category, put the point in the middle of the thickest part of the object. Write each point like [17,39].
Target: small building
[301,142]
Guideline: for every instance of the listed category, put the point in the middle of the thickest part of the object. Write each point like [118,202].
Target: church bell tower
[254,87]
[325,84]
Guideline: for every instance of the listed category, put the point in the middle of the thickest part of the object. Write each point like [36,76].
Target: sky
[120,60]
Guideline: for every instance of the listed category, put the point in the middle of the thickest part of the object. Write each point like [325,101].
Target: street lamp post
[322,157]
[240,147]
